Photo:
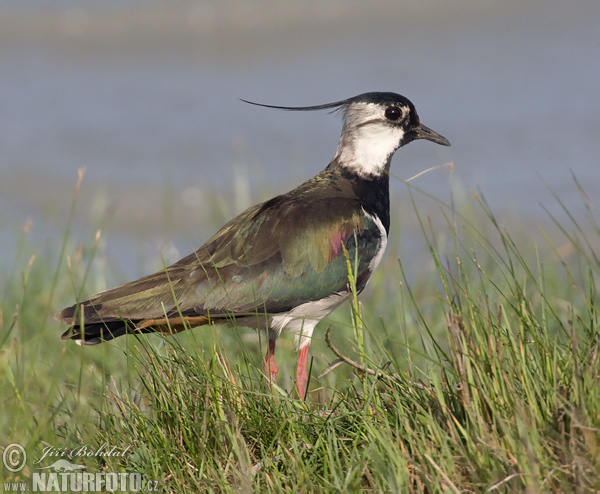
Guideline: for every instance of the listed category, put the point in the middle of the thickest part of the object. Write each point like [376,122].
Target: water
[145,96]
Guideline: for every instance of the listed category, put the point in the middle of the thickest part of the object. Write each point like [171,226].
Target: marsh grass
[488,363]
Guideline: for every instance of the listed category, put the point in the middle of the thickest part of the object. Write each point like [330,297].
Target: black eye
[392,113]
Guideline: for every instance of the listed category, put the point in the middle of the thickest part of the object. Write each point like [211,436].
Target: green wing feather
[270,258]
[307,264]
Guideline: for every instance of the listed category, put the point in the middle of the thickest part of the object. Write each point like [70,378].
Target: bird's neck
[372,191]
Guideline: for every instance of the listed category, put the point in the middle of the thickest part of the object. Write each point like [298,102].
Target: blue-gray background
[144,95]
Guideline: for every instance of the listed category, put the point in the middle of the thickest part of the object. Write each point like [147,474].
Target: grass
[486,363]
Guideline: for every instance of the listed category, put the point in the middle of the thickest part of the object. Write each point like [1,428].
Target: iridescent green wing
[271,258]
[285,254]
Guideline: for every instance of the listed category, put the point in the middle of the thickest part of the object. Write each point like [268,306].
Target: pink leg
[271,368]
[301,372]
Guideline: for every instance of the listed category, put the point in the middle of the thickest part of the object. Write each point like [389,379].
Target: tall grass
[481,374]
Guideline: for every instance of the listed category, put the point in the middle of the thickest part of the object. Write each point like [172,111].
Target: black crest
[378,98]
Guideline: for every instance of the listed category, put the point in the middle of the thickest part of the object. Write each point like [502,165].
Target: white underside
[301,320]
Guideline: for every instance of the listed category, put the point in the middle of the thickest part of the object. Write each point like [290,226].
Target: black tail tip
[93,334]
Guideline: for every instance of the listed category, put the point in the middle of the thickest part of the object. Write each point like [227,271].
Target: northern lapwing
[280,265]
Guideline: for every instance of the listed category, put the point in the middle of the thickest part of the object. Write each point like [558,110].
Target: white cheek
[376,144]
[371,149]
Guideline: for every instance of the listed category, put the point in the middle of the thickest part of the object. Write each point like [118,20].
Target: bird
[281,264]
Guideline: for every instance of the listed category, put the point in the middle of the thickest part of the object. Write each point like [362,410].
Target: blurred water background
[144,95]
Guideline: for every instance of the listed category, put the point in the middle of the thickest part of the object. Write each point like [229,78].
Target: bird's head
[375,126]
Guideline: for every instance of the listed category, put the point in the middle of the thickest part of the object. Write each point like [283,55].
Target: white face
[370,138]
